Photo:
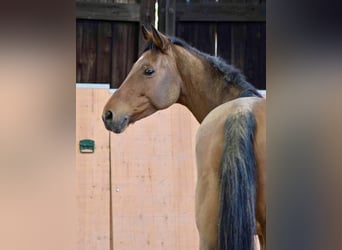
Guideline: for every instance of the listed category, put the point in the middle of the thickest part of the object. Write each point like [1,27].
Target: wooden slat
[239,37]
[224,41]
[262,57]
[235,1]
[87,59]
[188,1]
[92,171]
[119,47]
[221,12]
[124,50]
[147,17]
[107,1]
[167,17]
[255,52]
[199,35]
[161,15]
[153,180]
[251,60]
[79,45]
[108,11]
[209,1]
[147,12]
[104,52]
[247,49]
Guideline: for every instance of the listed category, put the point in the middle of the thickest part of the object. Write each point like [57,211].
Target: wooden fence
[108,38]
[109,41]
[136,191]
[234,30]
[105,51]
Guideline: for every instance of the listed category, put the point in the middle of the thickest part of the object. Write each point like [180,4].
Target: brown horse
[230,143]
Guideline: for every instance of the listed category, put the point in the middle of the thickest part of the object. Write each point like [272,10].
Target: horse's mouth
[117,126]
[118,130]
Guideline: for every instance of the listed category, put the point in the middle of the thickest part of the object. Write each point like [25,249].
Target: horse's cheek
[166,95]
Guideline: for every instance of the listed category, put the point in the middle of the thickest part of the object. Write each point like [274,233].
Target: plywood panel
[153,183]
[153,180]
[92,171]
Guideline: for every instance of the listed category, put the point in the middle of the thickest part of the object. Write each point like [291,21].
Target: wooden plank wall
[105,50]
[152,180]
[108,38]
[242,44]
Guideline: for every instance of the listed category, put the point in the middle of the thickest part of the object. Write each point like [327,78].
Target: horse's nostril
[108,116]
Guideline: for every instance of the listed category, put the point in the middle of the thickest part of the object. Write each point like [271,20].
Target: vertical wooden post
[161,15]
[147,17]
[167,17]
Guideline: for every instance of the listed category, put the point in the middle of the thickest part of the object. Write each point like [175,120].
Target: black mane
[231,74]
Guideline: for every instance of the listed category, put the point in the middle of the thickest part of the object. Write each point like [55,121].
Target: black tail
[238,184]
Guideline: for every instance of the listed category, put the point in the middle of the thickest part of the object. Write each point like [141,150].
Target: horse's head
[152,84]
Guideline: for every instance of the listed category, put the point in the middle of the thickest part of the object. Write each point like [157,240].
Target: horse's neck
[202,90]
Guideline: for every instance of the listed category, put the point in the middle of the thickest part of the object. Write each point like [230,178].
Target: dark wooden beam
[108,11]
[170,24]
[161,15]
[147,17]
[221,12]
[167,17]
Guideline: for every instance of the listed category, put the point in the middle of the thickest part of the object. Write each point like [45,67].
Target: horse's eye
[148,72]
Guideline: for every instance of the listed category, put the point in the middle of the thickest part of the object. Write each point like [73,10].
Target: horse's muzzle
[115,123]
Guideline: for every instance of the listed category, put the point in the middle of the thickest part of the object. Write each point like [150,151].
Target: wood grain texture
[167,17]
[107,1]
[221,12]
[87,55]
[239,40]
[79,44]
[199,35]
[108,11]
[92,172]
[248,51]
[224,41]
[153,183]
[124,50]
[255,55]
[104,52]
[147,17]
[98,62]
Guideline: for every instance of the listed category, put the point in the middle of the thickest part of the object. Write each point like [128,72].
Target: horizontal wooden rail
[221,12]
[108,11]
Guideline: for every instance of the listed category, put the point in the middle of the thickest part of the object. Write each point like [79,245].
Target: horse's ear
[159,39]
[147,34]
